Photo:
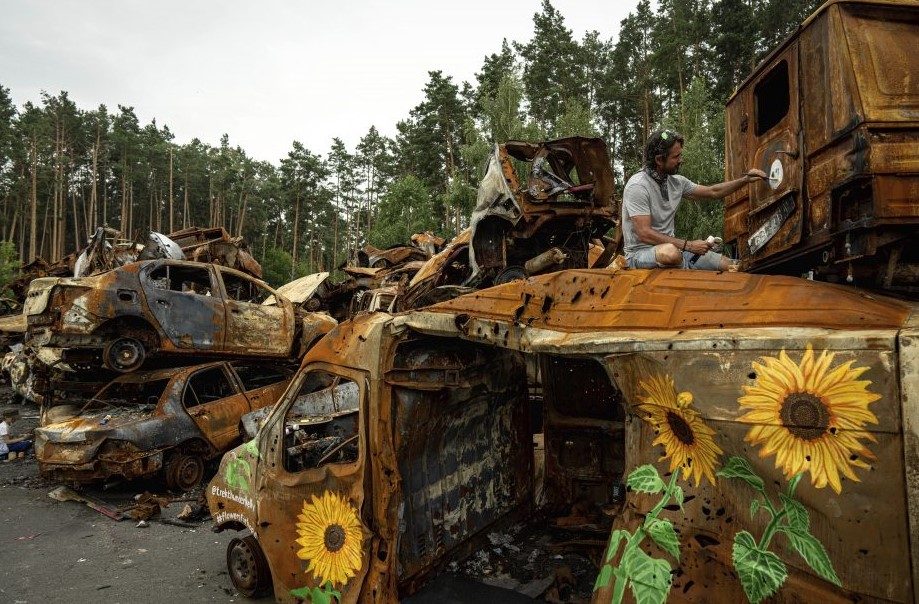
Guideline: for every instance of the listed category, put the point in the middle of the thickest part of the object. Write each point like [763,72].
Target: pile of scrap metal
[373,284]
[541,207]
[107,249]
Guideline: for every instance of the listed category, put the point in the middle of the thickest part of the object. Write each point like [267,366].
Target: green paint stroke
[317,595]
[761,572]
[648,578]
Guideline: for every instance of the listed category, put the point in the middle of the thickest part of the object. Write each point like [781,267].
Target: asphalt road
[53,551]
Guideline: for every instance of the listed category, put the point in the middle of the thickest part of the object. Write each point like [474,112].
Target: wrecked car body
[169,420]
[437,450]
[162,307]
[540,208]
[832,116]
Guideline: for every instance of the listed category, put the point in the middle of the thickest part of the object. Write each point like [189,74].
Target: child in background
[12,447]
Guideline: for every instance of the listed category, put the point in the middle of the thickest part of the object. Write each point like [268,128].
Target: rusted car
[763,426]
[832,115]
[165,307]
[168,421]
[539,208]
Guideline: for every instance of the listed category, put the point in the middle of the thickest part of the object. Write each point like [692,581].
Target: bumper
[102,469]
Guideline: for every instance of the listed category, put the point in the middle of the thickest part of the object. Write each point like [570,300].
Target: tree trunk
[33,202]
[185,205]
[296,235]
[171,224]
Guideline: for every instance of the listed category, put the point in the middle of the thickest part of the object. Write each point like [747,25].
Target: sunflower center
[334,537]
[805,415]
[680,428]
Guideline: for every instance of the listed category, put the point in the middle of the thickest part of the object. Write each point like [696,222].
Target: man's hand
[755,174]
[698,246]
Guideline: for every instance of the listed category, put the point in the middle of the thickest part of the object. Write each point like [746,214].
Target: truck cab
[406,442]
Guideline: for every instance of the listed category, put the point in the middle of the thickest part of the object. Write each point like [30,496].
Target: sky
[269,72]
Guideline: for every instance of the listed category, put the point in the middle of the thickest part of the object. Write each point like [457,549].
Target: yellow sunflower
[687,441]
[810,416]
[330,533]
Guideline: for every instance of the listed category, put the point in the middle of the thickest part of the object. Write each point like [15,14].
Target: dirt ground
[53,551]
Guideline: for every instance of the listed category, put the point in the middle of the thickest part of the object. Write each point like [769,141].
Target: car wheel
[124,354]
[248,567]
[184,471]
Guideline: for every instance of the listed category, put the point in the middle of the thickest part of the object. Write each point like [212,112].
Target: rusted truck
[832,115]
[764,427]
[165,421]
[165,307]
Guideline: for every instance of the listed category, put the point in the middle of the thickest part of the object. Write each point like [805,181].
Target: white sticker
[776,174]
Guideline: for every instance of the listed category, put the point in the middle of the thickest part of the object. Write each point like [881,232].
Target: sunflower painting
[811,415]
[330,538]
[687,441]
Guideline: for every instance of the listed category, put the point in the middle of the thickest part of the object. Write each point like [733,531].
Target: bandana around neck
[660,179]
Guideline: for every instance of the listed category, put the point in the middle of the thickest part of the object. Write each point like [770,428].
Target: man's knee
[667,254]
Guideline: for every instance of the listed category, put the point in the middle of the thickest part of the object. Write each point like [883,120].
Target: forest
[65,169]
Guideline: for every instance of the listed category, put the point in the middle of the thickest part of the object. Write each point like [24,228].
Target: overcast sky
[266,72]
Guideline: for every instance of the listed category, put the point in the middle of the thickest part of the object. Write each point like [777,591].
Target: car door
[185,300]
[311,481]
[776,214]
[216,404]
[254,327]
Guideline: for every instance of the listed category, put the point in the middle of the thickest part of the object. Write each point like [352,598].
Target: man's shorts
[645,258]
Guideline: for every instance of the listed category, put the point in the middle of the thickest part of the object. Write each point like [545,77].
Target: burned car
[539,208]
[169,420]
[406,440]
[165,307]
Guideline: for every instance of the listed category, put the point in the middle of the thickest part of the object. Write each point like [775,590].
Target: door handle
[236,311]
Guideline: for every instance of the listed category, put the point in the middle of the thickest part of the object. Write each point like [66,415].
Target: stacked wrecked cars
[159,322]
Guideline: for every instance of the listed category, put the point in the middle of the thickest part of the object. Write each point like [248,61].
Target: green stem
[636,539]
[771,528]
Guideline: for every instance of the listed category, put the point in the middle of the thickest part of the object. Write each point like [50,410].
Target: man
[10,447]
[649,205]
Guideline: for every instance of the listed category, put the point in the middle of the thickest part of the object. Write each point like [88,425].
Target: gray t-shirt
[642,197]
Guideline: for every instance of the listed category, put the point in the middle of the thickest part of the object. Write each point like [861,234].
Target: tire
[124,354]
[248,568]
[184,471]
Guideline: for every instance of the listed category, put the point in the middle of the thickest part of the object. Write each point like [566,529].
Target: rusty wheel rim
[125,354]
[243,566]
[188,472]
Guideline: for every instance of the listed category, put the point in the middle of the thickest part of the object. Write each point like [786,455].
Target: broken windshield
[137,396]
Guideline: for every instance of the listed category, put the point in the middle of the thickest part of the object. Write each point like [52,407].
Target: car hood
[91,426]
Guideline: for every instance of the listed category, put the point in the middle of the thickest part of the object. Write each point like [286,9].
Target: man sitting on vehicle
[649,204]
[11,447]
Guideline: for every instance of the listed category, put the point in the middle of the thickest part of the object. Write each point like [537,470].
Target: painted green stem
[636,539]
[771,528]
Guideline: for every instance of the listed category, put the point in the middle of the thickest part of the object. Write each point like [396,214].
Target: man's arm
[723,189]
[642,226]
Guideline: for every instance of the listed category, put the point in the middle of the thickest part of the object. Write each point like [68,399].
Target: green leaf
[251,448]
[738,467]
[649,577]
[813,553]
[615,539]
[664,535]
[754,507]
[645,479]
[678,495]
[797,515]
[302,593]
[761,573]
[605,576]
